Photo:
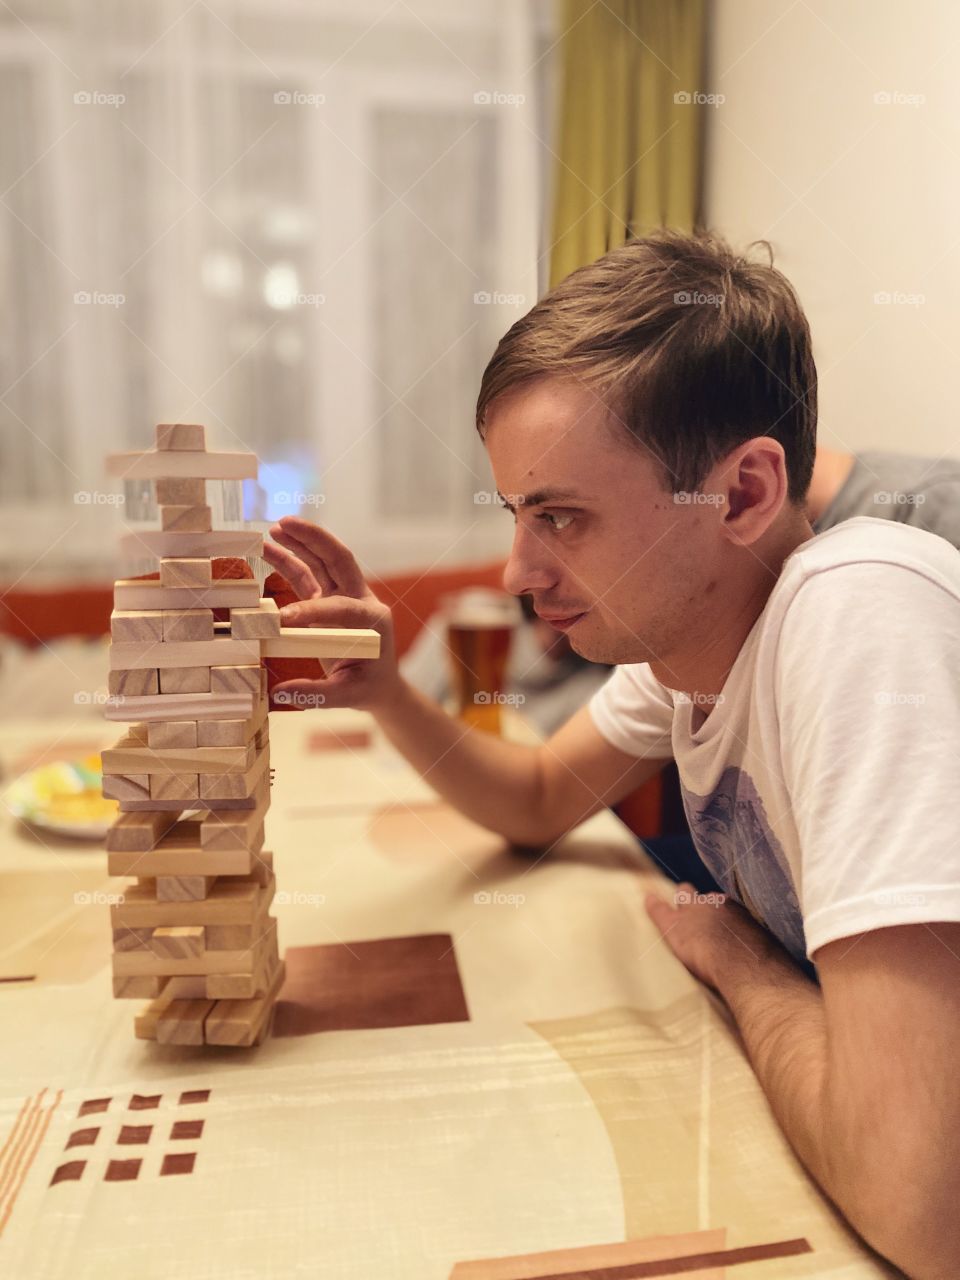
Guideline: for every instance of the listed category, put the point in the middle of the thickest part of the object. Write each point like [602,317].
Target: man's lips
[561,620]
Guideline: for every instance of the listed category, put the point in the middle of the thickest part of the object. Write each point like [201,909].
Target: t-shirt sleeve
[634,712]
[868,700]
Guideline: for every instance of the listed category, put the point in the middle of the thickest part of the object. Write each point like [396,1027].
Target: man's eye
[556,522]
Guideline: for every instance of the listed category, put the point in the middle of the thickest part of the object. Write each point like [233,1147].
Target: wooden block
[232,937]
[140,758]
[176,518]
[137,988]
[186,706]
[181,492]
[261,737]
[187,986]
[167,735]
[184,888]
[179,855]
[134,627]
[132,787]
[136,964]
[182,1022]
[178,942]
[231,786]
[262,868]
[241,1022]
[186,653]
[133,939]
[322,642]
[149,593]
[235,679]
[231,733]
[185,545]
[177,464]
[256,624]
[138,832]
[221,829]
[174,786]
[190,571]
[180,435]
[187,624]
[243,986]
[184,679]
[234,900]
[132,682]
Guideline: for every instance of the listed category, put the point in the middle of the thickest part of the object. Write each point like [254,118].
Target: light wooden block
[138,832]
[140,758]
[174,786]
[232,900]
[182,1022]
[137,988]
[134,627]
[222,829]
[183,463]
[232,733]
[184,679]
[187,986]
[181,492]
[184,888]
[131,787]
[132,682]
[235,679]
[181,625]
[178,942]
[136,964]
[219,652]
[242,1022]
[181,706]
[322,642]
[256,624]
[149,593]
[180,435]
[175,518]
[171,734]
[183,862]
[243,986]
[190,571]
[136,939]
[180,545]
[232,786]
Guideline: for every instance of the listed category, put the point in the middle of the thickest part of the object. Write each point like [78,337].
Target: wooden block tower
[192,775]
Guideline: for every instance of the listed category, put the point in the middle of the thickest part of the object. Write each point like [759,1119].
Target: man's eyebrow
[539,498]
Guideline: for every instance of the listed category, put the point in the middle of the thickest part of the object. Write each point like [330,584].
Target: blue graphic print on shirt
[734,838]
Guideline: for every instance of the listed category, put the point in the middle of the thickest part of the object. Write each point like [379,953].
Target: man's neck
[701,668]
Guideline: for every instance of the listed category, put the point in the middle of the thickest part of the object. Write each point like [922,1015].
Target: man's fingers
[305,556]
[319,544]
[330,611]
[300,577]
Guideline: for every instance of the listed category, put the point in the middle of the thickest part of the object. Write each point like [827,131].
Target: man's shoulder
[864,541]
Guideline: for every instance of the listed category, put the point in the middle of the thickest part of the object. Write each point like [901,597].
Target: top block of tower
[181,435]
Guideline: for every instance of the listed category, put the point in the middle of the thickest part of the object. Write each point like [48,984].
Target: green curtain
[629,149]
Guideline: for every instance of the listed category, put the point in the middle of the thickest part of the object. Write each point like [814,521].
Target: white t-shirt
[820,788]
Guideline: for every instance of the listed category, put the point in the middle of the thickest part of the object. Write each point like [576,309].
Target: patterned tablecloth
[484,1065]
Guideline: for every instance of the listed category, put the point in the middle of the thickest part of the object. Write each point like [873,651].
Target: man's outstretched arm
[860,1074]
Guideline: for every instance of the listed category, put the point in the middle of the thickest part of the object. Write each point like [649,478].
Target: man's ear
[753,478]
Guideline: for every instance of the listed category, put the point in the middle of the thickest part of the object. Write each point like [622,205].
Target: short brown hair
[694,348]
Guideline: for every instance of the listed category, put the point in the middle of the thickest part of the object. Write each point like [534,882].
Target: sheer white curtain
[283,220]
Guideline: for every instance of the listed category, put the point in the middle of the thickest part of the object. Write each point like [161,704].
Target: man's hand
[333,593]
[707,933]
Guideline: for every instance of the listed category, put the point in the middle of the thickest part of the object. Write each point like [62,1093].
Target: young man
[652,422]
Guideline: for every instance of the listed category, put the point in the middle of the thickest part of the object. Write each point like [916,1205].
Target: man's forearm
[496,783]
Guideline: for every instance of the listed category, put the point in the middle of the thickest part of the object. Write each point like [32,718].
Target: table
[485,1064]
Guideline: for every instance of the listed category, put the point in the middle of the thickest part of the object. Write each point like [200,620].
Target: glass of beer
[480,625]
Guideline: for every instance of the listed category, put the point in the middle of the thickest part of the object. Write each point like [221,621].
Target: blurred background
[306,224]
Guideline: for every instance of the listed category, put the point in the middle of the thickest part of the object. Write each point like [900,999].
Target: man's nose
[530,567]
